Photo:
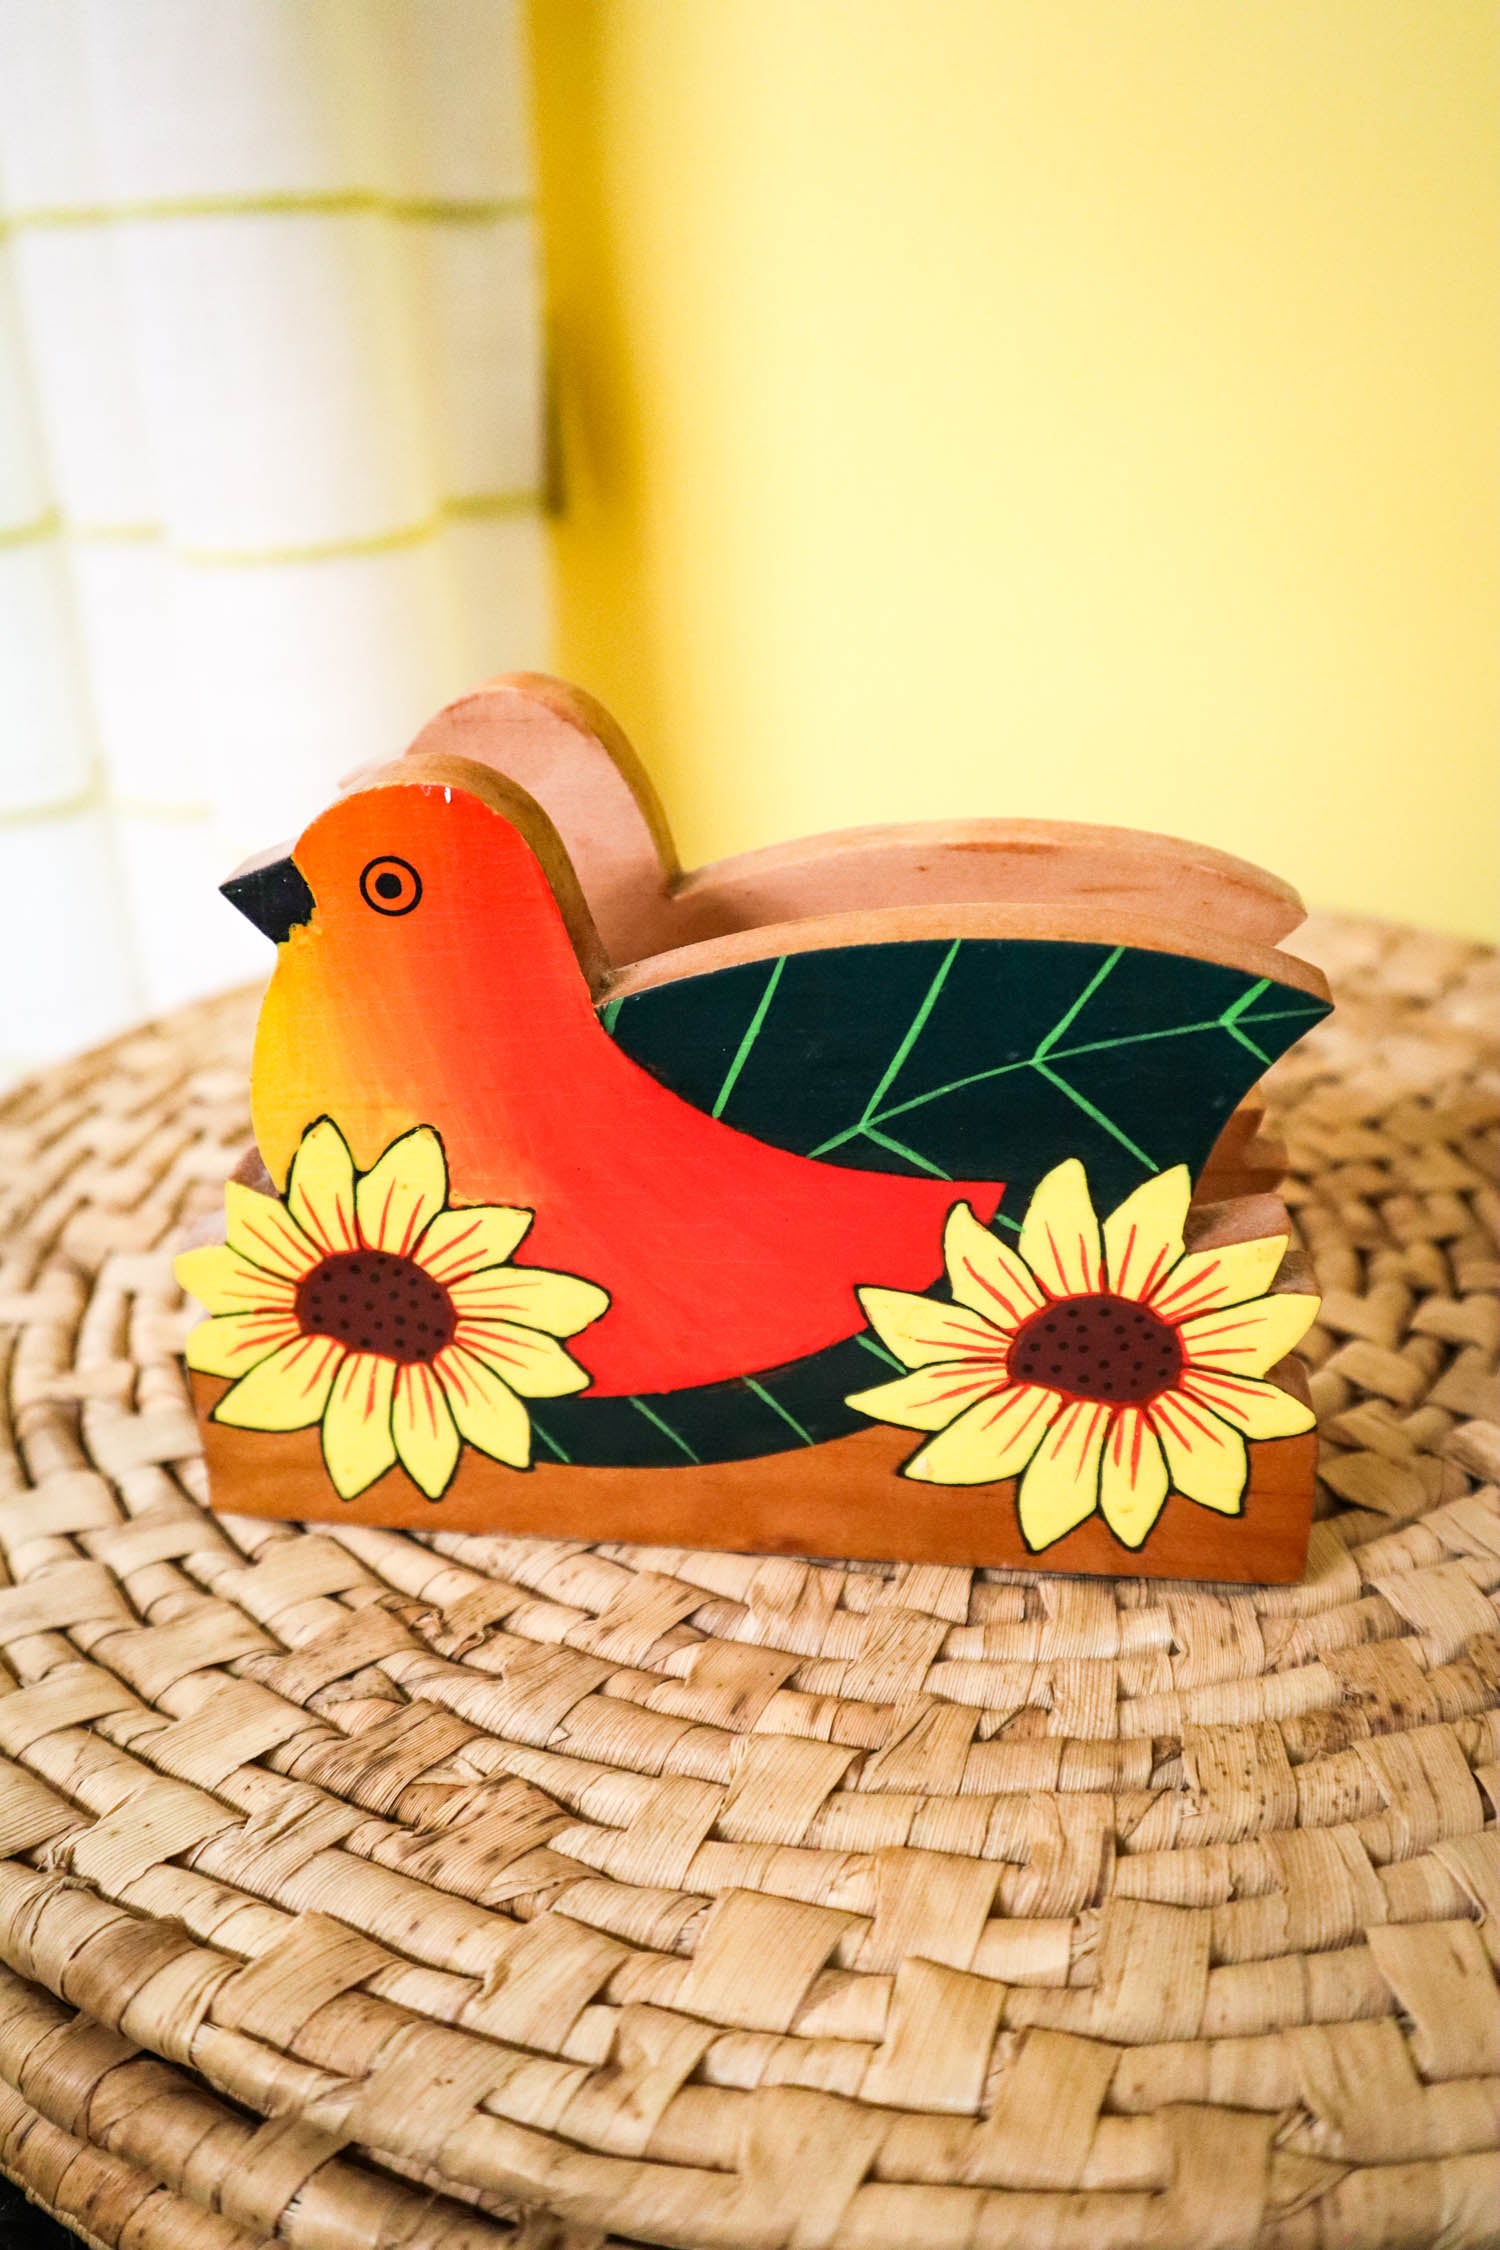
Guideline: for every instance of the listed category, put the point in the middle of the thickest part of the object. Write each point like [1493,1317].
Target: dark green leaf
[977,1059]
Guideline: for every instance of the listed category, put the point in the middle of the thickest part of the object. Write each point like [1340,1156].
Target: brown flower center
[1105,1348]
[374,1301]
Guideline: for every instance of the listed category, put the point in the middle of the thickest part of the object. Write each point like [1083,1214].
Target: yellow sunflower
[1103,1367]
[369,1305]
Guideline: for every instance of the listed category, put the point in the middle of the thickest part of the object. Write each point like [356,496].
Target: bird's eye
[391,886]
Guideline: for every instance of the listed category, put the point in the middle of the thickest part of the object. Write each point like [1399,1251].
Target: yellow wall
[1072,407]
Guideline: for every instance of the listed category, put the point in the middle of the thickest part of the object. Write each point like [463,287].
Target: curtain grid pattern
[270,451]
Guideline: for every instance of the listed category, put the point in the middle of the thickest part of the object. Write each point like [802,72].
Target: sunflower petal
[225,1282]
[1060,1234]
[487,1411]
[985,1274]
[994,1439]
[931,1397]
[559,1303]
[403,1193]
[1206,1279]
[1061,1487]
[1143,1236]
[358,1442]
[1206,1458]
[424,1431]
[288,1390]
[232,1343]
[1260,1410]
[1249,1339]
[1133,1481]
[919,1329]
[320,1190]
[461,1242]
[264,1231]
[533,1364]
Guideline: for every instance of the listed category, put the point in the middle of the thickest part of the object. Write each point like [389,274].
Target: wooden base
[838,1499]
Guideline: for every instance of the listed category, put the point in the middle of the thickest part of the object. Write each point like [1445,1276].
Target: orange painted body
[470,1013]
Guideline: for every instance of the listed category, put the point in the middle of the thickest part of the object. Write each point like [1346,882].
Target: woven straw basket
[365,1890]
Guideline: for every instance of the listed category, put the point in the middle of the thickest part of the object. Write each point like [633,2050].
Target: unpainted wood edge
[590,719]
[1001,835]
[898,925]
[587,716]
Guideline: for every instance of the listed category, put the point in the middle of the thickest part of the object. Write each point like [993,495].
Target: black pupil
[389,886]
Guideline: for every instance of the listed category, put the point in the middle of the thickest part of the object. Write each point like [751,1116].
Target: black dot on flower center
[374,1301]
[1098,1347]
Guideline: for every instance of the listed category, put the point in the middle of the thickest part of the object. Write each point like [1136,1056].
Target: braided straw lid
[364,1890]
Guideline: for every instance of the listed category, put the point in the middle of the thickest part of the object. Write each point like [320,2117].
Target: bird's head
[426,857]
[429,932]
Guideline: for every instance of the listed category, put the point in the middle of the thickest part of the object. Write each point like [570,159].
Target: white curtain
[270,451]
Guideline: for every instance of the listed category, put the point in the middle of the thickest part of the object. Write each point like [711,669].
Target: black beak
[271,893]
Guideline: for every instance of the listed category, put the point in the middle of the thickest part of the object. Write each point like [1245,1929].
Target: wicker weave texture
[364,1890]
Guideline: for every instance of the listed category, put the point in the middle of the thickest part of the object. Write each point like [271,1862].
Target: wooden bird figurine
[833,1199]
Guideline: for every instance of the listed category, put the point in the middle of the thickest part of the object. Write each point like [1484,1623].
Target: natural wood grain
[1016,862]
[557,743]
[1245,1159]
[575,760]
[841,1498]
[1090,924]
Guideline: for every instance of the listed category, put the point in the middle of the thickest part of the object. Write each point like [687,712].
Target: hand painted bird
[730,1099]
